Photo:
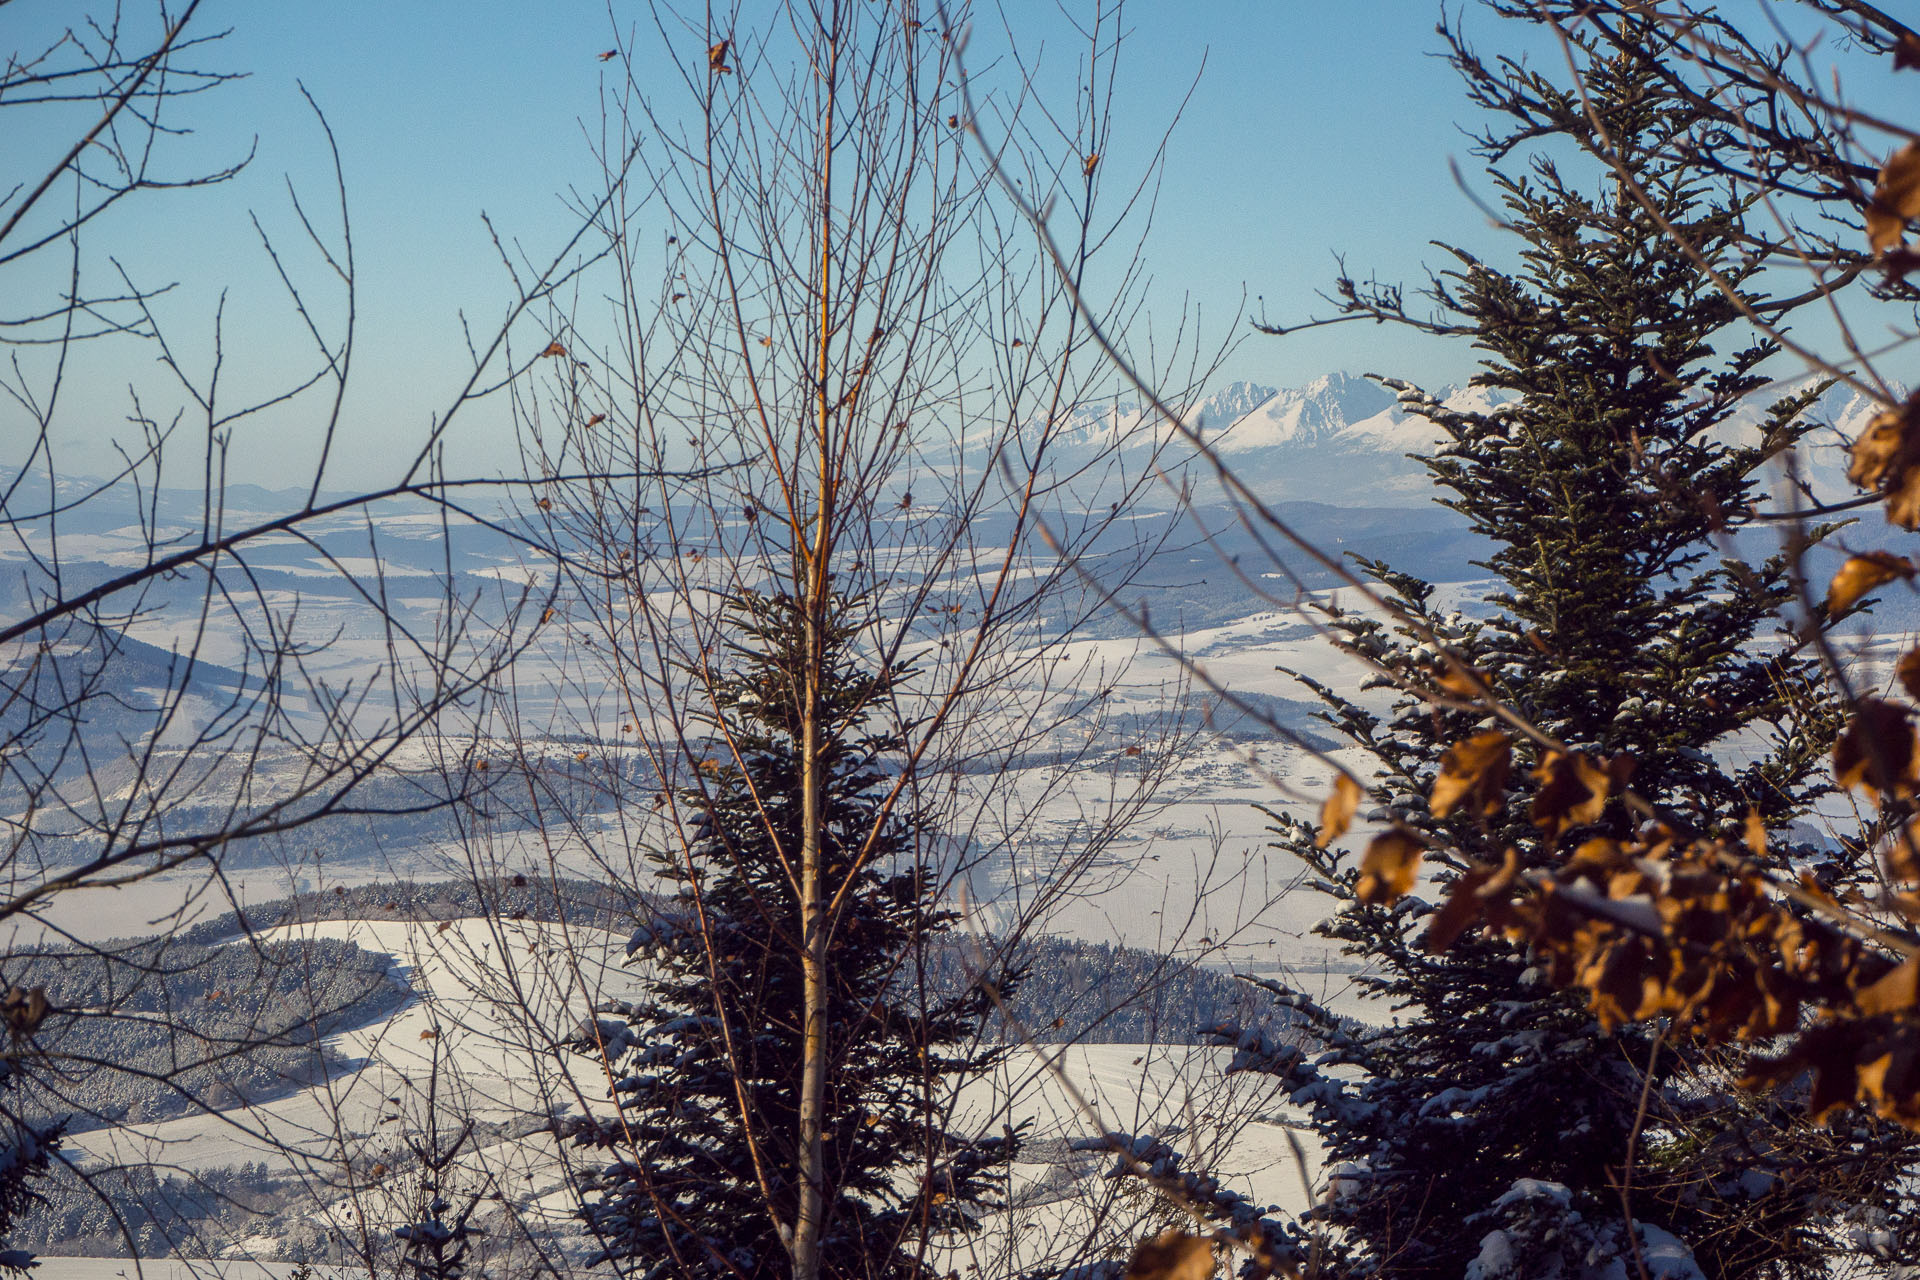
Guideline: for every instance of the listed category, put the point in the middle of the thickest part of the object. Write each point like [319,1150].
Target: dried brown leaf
[1876,750]
[1890,1080]
[1903,499]
[1903,854]
[1336,815]
[1878,448]
[1459,679]
[1900,262]
[1907,672]
[1894,992]
[1473,773]
[1389,867]
[1884,228]
[1836,1084]
[1896,198]
[1624,981]
[23,1009]
[1171,1255]
[1462,907]
[1861,574]
[1573,791]
[1886,458]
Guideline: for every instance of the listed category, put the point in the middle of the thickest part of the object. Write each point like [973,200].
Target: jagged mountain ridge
[1345,439]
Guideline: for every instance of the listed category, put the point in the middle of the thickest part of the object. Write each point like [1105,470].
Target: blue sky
[1313,129]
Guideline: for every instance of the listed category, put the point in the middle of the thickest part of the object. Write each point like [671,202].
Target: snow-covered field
[57,1268]
[1185,869]
[463,1046]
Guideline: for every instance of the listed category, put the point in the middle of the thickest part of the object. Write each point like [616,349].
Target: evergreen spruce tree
[1490,1128]
[709,1063]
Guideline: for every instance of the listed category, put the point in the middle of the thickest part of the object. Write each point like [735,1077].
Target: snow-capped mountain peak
[1346,437]
[1320,410]
[1230,404]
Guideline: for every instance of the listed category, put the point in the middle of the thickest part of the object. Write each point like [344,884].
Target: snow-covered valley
[1134,816]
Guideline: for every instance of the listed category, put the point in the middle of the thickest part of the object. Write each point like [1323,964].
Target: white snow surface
[1191,874]
[494,1064]
[57,1268]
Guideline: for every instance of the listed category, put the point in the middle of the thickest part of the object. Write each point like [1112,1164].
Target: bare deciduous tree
[880,410]
[175,699]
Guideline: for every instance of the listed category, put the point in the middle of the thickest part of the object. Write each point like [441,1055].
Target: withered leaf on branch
[23,1009]
[1389,867]
[1336,815]
[1458,678]
[1877,449]
[1876,751]
[1896,198]
[1890,1080]
[1829,1052]
[1625,980]
[1648,927]
[1171,1255]
[1473,773]
[1894,992]
[1886,459]
[1907,672]
[1468,901]
[1900,262]
[1573,790]
[1861,574]
[1903,854]
[1872,1062]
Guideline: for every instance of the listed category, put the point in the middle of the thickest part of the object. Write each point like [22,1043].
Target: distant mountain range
[1344,439]
[1341,439]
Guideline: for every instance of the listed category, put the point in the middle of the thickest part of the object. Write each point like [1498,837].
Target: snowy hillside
[476,1041]
[1191,874]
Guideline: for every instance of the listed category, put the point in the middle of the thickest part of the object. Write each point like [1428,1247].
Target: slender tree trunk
[811,1213]
[806,1235]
